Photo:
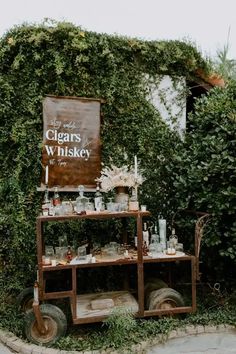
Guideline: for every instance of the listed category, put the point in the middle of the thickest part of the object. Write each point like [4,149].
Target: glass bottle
[173,239]
[51,208]
[145,249]
[69,254]
[154,236]
[56,197]
[162,231]
[81,200]
[98,198]
[46,203]
[145,234]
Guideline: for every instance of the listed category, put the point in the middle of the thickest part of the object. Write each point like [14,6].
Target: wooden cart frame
[141,261]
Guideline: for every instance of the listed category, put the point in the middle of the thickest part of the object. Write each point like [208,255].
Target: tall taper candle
[135,167]
[46,175]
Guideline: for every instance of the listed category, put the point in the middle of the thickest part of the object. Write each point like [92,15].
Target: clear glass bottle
[145,234]
[173,239]
[162,231]
[46,203]
[81,200]
[154,235]
[98,199]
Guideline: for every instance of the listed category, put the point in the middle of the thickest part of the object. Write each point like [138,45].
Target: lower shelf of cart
[176,310]
[95,307]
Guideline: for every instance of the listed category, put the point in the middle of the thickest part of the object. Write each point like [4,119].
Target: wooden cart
[45,323]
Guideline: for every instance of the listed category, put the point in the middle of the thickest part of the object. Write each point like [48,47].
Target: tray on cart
[120,299]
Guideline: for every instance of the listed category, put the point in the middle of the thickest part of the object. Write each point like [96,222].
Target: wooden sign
[71,153]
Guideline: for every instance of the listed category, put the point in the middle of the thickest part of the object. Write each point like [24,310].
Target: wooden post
[39,319]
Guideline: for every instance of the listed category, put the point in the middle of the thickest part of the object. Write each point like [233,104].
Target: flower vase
[122,197]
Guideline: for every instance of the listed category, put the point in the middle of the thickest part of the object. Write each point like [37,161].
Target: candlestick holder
[136,188]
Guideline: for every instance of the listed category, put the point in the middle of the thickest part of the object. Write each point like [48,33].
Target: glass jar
[89,205]
[49,255]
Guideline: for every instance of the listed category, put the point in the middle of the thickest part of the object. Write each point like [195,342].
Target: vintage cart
[46,322]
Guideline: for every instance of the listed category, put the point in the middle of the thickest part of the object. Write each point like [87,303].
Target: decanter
[81,200]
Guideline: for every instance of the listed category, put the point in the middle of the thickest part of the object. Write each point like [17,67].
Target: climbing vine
[62,59]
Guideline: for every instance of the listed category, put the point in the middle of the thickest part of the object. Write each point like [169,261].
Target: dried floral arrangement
[113,176]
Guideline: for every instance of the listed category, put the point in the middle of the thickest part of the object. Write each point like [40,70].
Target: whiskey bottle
[69,255]
[56,197]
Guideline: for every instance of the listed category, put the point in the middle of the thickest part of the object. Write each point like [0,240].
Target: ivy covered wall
[65,60]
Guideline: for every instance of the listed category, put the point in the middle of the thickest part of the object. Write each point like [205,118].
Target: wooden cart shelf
[94,215]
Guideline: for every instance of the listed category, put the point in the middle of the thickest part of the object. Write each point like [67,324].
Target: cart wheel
[24,300]
[151,285]
[54,321]
[165,299]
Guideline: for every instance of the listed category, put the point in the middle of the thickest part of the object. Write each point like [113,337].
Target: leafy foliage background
[206,176]
[62,59]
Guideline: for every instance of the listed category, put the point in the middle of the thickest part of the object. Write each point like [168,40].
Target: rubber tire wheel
[151,285]
[54,320]
[166,298]
[24,300]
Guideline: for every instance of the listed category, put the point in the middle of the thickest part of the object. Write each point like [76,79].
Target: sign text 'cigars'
[71,141]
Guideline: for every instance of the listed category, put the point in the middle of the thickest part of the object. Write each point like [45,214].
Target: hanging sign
[71,142]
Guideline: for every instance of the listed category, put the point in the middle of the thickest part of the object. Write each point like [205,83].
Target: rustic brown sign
[71,142]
